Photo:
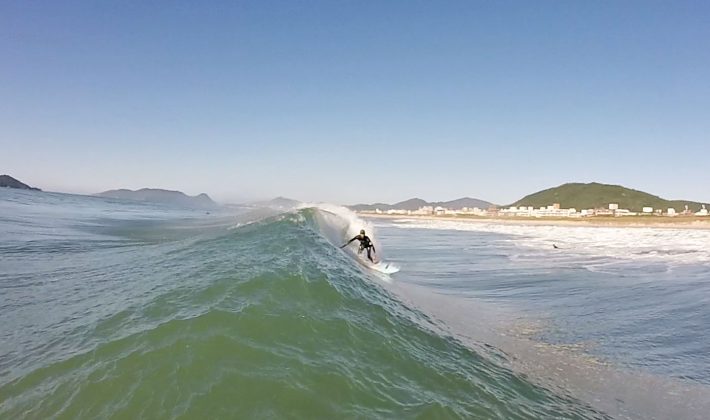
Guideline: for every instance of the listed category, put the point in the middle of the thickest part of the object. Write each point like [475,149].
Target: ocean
[119,309]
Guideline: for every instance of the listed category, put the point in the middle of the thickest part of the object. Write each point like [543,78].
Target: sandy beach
[622,222]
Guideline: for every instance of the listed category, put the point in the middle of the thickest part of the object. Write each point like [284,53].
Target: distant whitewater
[672,246]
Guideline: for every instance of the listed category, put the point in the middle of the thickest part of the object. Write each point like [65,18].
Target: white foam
[344,219]
[677,246]
[339,224]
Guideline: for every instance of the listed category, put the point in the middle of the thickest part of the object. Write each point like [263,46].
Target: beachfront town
[553,210]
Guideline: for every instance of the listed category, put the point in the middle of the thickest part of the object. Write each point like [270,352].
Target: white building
[548,211]
[647,210]
[624,212]
[425,210]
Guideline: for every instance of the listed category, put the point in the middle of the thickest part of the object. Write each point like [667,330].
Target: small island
[6,181]
[155,195]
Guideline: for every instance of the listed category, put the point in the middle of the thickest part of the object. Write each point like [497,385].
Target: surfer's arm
[348,243]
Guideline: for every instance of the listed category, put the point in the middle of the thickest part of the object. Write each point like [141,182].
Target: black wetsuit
[365,243]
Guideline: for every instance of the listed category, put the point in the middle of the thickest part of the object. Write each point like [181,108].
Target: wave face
[268,319]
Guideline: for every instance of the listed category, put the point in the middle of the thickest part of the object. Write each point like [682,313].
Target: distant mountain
[370,207]
[595,195]
[411,204]
[282,203]
[465,202]
[154,195]
[416,203]
[6,181]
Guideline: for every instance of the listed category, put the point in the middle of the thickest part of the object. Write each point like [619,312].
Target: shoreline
[654,222]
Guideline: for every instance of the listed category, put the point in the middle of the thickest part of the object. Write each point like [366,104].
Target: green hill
[595,195]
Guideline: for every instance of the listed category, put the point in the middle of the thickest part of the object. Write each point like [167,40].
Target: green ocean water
[109,316]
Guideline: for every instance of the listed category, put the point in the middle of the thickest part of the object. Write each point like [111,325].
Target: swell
[266,320]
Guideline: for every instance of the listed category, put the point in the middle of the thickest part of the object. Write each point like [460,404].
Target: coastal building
[605,212]
[424,210]
[474,211]
[553,210]
[529,211]
[492,211]
[399,211]
[624,212]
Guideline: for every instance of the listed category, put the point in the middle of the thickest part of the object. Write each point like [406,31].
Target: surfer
[365,244]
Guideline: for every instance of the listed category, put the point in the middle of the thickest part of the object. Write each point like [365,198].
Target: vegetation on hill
[595,195]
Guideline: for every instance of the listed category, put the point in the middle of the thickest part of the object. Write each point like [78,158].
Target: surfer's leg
[369,255]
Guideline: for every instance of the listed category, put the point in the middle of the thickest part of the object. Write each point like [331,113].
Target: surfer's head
[362,231]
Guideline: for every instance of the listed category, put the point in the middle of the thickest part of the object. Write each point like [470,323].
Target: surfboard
[380,266]
[383,267]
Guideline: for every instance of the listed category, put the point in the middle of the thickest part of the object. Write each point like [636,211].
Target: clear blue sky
[356,101]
